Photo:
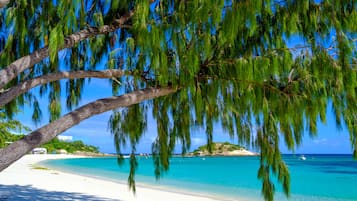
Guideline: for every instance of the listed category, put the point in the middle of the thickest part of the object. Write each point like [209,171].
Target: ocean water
[319,177]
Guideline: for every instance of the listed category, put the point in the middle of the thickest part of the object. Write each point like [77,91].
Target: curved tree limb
[23,63]
[3,3]
[11,93]
[16,150]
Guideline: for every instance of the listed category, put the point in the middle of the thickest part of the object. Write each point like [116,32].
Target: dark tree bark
[16,150]
[3,3]
[13,92]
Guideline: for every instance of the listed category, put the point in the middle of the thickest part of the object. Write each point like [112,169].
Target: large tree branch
[16,150]
[3,3]
[11,93]
[23,63]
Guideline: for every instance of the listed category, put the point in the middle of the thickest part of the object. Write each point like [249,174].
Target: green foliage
[230,60]
[71,147]
[128,126]
[56,41]
[7,126]
[52,147]
[217,148]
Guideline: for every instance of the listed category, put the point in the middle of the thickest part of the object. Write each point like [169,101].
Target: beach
[25,181]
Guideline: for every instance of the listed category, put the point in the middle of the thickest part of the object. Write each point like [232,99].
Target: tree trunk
[23,63]
[11,93]
[3,3]
[16,150]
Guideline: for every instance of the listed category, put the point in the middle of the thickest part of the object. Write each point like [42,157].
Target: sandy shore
[25,181]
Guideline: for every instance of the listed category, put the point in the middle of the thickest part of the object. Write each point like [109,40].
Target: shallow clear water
[320,177]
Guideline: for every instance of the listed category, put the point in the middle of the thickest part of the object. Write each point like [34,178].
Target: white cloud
[320,141]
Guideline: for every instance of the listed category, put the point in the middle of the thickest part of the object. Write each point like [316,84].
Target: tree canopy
[7,126]
[266,70]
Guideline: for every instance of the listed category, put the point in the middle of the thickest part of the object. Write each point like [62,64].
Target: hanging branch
[7,95]
[23,63]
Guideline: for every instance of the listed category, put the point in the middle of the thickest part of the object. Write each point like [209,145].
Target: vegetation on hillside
[217,148]
[70,147]
[55,144]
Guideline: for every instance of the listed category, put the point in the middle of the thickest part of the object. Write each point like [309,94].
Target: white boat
[302,157]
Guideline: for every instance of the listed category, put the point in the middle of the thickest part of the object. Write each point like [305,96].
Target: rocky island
[223,149]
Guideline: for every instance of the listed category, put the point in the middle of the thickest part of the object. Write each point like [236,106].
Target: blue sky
[94,130]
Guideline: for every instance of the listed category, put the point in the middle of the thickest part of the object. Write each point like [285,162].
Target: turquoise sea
[319,177]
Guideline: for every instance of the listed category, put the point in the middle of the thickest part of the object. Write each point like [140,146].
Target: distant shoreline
[126,155]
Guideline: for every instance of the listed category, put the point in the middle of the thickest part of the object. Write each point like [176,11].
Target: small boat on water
[302,157]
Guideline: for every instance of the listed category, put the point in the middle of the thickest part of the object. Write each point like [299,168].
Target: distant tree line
[54,145]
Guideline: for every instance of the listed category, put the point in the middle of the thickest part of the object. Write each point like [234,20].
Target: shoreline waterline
[141,184]
[27,180]
[320,177]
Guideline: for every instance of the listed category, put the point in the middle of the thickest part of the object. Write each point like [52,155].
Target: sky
[94,130]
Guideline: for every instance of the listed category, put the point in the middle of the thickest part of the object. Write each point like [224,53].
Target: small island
[223,149]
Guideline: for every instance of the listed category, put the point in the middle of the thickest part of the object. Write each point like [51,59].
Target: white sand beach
[25,181]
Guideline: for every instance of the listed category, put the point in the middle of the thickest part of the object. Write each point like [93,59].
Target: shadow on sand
[28,193]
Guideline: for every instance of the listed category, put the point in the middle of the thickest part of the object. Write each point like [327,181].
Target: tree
[195,63]
[6,127]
